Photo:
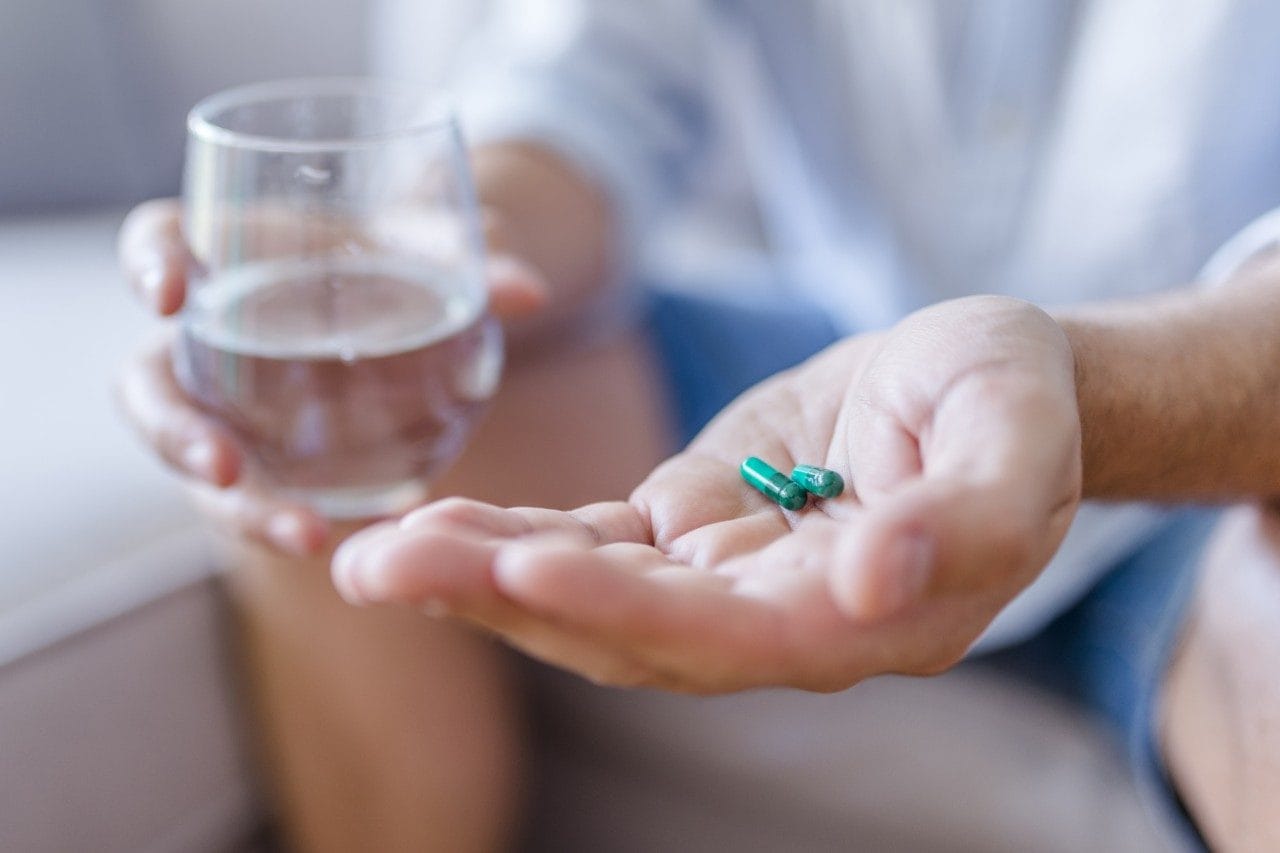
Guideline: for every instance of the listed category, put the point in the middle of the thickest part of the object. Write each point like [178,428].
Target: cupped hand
[155,259]
[959,434]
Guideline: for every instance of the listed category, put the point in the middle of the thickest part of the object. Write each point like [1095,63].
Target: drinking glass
[337,315]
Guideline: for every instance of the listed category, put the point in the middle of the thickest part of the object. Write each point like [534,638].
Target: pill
[822,482]
[772,483]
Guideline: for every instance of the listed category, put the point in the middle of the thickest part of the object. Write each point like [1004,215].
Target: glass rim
[438,114]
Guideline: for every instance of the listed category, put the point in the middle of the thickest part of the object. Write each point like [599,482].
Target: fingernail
[288,533]
[198,458]
[354,567]
[342,563]
[910,561]
[366,572]
[343,575]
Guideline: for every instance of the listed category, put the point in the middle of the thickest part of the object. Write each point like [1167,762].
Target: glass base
[354,502]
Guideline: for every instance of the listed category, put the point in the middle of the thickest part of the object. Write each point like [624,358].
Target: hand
[959,433]
[155,259]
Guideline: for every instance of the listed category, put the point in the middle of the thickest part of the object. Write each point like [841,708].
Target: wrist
[1086,339]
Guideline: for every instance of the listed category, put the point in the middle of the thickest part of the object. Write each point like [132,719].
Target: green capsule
[822,482]
[771,483]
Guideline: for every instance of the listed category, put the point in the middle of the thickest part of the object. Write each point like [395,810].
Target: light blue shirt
[905,151]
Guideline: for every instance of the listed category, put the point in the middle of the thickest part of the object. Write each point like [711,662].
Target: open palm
[959,434]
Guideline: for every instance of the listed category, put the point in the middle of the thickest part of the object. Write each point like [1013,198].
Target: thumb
[930,539]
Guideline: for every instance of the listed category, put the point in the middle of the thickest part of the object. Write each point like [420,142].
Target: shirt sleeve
[616,87]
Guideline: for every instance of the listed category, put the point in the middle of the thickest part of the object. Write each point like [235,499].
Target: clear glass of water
[337,314]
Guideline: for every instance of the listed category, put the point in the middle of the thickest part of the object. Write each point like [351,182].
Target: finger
[937,538]
[712,545]
[611,521]
[885,565]
[683,630]
[882,453]
[807,550]
[598,523]
[444,551]
[452,575]
[515,289]
[1000,457]
[186,439]
[698,489]
[465,514]
[828,650]
[154,255]
[256,515]
[418,565]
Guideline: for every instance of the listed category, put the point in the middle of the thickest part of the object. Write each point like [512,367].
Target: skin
[376,729]
[533,287]
[968,432]
[699,584]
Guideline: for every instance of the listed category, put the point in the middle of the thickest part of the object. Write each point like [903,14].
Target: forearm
[543,211]
[1180,393]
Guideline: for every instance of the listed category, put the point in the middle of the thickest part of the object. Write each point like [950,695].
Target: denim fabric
[711,350]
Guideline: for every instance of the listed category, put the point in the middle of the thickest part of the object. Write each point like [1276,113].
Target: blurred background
[119,723]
